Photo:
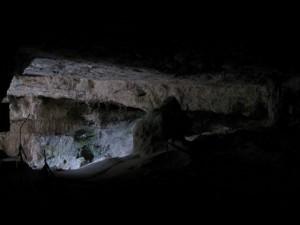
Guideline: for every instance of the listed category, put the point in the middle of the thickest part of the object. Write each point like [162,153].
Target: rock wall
[134,87]
[59,95]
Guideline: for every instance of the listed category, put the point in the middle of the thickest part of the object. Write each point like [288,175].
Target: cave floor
[243,175]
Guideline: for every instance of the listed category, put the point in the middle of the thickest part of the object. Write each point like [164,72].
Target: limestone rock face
[59,95]
[139,88]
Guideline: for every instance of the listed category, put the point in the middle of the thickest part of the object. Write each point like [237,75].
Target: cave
[172,113]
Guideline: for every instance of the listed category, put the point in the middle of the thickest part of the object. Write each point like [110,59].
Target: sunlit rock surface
[82,146]
[60,96]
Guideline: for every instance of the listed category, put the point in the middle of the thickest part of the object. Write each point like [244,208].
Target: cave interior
[242,163]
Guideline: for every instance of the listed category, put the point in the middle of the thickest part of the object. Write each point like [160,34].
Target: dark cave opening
[4,115]
[255,167]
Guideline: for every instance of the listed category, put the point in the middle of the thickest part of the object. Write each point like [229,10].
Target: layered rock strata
[58,96]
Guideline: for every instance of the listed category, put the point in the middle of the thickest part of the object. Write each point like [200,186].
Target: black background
[268,33]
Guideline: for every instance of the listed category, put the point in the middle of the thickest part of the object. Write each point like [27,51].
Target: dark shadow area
[4,117]
[236,175]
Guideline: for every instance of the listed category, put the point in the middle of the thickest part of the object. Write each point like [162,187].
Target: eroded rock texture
[60,95]
[139,88]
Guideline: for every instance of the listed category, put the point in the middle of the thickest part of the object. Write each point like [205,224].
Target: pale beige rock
[140,88]
[60,94]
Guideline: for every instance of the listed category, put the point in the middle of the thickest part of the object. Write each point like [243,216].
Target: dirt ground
[235,178]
